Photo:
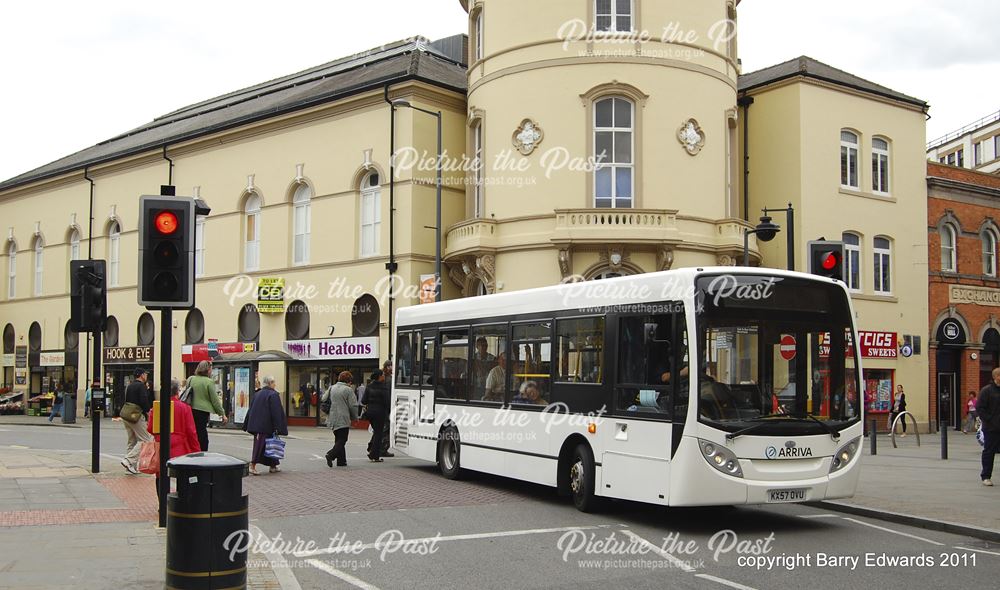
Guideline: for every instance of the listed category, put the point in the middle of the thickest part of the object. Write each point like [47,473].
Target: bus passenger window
[531,363]
[454,369]
[652,366]
[404,364]
[581,350]
[427,362]
[489,363]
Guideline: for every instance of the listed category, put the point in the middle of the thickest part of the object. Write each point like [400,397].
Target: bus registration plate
[798,495]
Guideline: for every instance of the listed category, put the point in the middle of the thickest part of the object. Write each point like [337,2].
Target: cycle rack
[892,428]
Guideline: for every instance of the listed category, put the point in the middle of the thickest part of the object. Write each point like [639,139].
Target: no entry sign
[787,347]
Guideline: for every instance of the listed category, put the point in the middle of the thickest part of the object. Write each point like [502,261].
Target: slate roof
[811,68]
[438,63]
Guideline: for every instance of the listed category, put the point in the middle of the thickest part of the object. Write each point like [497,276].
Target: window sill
[882,298]
[874,196]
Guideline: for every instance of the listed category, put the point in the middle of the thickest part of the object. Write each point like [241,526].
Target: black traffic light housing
[826,259]
[166,252]
[88,296]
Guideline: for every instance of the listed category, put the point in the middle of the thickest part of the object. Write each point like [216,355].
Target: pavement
[51,506]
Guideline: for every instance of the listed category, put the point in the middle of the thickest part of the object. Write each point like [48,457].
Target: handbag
[274,448]
[185,395]
[130,412]
[149,458]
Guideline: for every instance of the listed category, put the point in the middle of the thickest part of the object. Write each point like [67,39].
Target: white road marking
[882,528]
[659,551]
[724,582]
[392,545]
[819,516]
[316,457]
[286,579]
[976,550]
[357,583]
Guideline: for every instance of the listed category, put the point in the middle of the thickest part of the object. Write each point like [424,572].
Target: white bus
[707,386]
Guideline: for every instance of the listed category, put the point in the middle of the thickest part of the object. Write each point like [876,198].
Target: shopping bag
[981,437]
[149,458]
[274,448]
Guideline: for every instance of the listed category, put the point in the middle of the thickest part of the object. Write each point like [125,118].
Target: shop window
[454,365]
[297,321]
[879,385]
[531,363]
[365,316]
[194,327]
[111,332]
[145,330]
[489,363]
[248,323]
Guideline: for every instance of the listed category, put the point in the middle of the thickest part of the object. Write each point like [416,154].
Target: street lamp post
[790,226]
[765,232]
[437,226]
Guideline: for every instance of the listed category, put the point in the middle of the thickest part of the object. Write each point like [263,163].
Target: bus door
[427,380]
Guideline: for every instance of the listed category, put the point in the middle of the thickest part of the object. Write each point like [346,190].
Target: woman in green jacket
[204,400]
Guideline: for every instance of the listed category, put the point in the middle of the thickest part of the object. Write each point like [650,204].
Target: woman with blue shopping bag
[265,421]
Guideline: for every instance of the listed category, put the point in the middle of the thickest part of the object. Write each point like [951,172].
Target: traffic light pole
[165,410]
[95,416]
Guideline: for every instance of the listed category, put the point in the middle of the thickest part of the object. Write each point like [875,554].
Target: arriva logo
[790,451]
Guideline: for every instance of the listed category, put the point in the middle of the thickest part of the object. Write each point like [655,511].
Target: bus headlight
[845,455]
[721,458]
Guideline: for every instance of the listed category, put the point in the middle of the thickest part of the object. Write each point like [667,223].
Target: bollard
[208,508]
[944,441]
[873,436]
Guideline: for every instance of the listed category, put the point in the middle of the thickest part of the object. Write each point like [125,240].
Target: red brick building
[963,230]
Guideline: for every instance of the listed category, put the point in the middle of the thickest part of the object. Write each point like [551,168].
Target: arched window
[145,330]
[111,332]
[39,265]
[477,35]
[251,244]
[365,316]
[613,15]
[852,260]
[248,323]
[880,165]
[194,327]
[849,159]
[371,214]
[74,245]
[114,253]
[883,266]
[297,321]
[989,253]
[301,224]
[613,146]
[948,248]
[11,270]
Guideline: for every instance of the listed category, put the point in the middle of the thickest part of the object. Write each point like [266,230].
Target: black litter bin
[69,408]
[207,514]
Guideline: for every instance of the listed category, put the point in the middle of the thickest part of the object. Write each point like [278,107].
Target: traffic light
[826,259]
[166,252]
[88,296]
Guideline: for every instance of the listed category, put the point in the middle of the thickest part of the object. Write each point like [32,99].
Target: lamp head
[400,103]
[766,230]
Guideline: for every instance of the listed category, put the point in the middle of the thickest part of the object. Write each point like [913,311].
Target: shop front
[234,379]
[120,363]
[879,351]
[316,365]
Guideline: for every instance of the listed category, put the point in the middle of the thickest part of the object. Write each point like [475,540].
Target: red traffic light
[829,261]
[165,222]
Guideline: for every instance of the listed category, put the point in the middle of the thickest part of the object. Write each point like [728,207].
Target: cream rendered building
[608,133]
[848,155]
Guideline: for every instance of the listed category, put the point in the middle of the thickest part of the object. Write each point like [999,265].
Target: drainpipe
[391,266]
[745,102]
[170,170]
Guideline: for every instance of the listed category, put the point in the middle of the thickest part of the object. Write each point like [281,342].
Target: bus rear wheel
[581,479]
[449,454]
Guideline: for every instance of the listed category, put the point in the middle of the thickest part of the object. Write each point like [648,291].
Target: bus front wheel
[581,479]
[449,454]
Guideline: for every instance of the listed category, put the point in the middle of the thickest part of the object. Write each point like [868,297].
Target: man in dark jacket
[988,407]
[136,393]
[377,411]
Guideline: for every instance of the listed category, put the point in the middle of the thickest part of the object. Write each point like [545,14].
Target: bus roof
[670,285]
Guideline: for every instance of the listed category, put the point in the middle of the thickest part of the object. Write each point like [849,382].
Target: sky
[77,73]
